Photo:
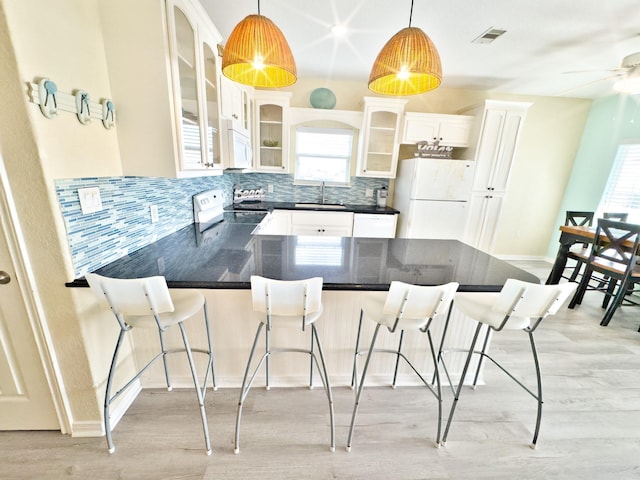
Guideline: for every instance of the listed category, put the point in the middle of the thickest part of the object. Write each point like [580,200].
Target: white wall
[60,40]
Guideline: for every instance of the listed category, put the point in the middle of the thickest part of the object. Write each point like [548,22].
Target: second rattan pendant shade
[257,54]
[408,64]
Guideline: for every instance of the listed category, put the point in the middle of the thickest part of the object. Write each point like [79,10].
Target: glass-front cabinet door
[380,137]
[212,132]
[271,145]
[195,91]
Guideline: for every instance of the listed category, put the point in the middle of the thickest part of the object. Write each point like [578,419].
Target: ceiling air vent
[489,35]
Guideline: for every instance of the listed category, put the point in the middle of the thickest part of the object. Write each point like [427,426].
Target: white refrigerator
[433,196]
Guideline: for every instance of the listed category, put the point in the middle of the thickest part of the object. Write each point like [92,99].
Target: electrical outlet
[153,209]
[369,192]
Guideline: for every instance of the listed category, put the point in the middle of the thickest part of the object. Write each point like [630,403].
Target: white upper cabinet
[450,130]
[235,100]
[379,138]
[500,128]
[193,48]
[164,74]
[271,131]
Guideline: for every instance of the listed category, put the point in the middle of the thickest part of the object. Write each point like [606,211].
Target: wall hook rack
[51,101]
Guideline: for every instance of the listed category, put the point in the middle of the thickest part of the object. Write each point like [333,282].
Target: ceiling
[544,39]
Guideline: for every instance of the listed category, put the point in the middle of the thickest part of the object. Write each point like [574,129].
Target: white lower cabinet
[373,225]
[484,213]
[328,224]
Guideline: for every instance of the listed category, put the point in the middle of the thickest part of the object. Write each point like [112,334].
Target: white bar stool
[403,307]
[147,303]
[280,303]
[519,306]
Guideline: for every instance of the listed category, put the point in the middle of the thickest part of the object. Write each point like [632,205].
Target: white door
[25,398]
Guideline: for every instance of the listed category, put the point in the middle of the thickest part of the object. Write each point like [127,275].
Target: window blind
[622,193]
[323,154]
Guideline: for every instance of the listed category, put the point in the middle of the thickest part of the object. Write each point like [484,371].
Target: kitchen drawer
[338,224]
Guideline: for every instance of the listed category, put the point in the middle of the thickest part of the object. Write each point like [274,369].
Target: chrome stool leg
[395,370]
[107,396]
[244,390]
[164,360]
[361,386]
[199,394]
[324,376]
[461,383]
[354,374]
[210,344]
[539,384]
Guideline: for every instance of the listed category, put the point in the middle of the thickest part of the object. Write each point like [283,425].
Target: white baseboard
[96,428]
[93,428]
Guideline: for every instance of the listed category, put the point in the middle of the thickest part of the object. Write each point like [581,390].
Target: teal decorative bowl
[322,98]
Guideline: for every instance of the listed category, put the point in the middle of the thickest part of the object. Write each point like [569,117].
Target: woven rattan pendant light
[408,64]
[257,54]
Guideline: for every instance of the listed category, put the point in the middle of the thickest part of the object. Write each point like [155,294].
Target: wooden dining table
[569,236]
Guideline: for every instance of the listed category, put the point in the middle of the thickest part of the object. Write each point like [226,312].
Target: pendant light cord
[259,8]
[410,14]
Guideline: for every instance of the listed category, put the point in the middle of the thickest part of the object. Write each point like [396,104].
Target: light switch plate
[90,201]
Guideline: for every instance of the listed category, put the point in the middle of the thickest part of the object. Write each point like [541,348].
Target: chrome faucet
[322,191]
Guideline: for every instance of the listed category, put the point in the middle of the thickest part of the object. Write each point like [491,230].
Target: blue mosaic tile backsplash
[124,224]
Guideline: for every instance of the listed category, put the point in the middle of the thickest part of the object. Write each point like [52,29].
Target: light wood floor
[590,427]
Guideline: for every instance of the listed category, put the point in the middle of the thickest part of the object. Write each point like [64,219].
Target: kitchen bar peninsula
[220,261]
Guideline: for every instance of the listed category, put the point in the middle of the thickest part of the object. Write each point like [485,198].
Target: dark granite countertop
[227,254]
[268,206]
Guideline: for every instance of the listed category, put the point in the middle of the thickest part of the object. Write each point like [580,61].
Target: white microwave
[239,149]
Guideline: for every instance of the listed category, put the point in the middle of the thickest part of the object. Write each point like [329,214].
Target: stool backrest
[132,296]
[578,219]
[532,300]
[293,298]
[414,306]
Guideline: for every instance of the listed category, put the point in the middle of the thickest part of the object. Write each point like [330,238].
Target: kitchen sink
[329,206]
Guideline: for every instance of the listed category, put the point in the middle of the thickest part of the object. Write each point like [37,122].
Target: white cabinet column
[495,152]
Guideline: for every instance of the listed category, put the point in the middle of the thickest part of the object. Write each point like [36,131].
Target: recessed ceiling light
[338,30]
[488,35]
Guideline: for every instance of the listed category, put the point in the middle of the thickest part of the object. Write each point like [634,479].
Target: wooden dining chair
[579,253]
[612,268]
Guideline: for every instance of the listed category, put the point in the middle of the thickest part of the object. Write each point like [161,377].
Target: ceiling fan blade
[603,70]
[589,84]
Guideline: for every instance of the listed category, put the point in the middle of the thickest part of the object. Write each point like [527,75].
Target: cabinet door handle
[4,278]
